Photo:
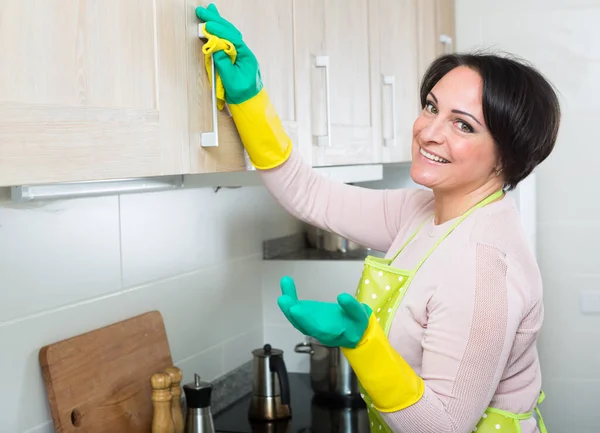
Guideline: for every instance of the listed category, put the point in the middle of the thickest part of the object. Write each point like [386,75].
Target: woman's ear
[499,166]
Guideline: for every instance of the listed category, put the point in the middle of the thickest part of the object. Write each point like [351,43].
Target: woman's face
[452,149]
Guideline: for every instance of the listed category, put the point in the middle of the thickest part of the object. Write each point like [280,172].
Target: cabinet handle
[447,42]
[390,80]
[211,139]
[325,140]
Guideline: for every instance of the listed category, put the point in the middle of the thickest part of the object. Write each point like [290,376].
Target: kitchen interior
[141,256]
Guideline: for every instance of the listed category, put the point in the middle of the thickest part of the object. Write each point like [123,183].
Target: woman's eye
[430,107]
[464,127]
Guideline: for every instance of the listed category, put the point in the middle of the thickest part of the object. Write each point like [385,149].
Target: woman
[442,333]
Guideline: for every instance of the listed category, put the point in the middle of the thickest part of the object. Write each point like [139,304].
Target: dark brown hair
[520,108]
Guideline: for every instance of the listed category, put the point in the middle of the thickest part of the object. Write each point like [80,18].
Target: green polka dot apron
[383,287]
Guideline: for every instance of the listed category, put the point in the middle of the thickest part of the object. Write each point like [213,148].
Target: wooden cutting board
[99,382]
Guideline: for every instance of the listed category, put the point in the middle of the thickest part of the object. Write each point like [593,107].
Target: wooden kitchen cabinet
[92,90]
[228,153]
[95,90]
[436,23]
[334,81]
[267,29]
[394,39]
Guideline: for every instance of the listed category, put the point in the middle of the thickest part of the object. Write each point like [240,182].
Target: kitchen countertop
[314,254]
[310,413]
[296,247]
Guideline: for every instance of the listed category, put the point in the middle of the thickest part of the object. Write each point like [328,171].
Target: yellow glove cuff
[261,131]
[389,381]
[213,44]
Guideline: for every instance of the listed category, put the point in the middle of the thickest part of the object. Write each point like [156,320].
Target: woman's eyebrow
[457,111]
[467,114]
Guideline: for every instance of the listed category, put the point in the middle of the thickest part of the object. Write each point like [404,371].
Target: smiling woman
[442,332]
[504,106]
[486,122]
[453,152]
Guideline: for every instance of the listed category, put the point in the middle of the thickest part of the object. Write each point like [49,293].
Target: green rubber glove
[242,79]
[333,324]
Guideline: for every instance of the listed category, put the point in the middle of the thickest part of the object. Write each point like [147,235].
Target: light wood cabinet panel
[336,34]
[436,30]
[394,39]
[228,155]
[267,28]
[445,22]
[112,89]
[92,89]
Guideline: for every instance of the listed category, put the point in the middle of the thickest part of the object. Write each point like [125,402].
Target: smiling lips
[432,157]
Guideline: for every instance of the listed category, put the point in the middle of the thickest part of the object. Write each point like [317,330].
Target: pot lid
[266,351]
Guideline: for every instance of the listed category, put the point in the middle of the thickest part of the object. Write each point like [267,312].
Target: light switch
[589,302]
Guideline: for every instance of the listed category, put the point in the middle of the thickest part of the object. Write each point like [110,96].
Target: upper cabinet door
[436,30]
[334,80]
[446,27]
[267,28]
[91,89]
[394,38]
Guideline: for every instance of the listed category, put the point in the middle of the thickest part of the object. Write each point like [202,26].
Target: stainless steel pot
[330,371]
[325,240]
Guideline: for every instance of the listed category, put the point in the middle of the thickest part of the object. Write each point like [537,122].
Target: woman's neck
[452,204]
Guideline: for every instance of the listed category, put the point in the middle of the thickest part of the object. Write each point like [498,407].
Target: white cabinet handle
[211,139]
[447,42]
[390,80]
[325,140]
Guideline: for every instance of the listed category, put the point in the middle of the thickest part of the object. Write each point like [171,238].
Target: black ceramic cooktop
[310,414]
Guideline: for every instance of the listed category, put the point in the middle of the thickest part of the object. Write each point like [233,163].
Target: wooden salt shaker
[161,400]
[176,409]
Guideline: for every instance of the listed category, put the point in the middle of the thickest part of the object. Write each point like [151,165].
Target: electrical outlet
[589,302]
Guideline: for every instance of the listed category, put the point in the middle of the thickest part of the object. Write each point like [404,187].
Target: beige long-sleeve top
[469,322]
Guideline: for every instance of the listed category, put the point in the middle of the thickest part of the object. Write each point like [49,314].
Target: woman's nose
[433,131]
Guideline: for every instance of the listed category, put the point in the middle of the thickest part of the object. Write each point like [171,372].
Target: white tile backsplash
[46,427]
[207,364]
[26,405]
[167,233]
[238,350]
[57,253]
[70,266]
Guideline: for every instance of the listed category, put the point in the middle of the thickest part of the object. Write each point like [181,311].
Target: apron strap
[408,240]
[514,416]
[541,423]
[481,204]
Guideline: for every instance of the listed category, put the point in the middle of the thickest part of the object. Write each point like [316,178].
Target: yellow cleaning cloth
[213,44]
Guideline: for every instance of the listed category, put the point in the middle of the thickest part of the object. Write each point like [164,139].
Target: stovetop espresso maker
[270,386]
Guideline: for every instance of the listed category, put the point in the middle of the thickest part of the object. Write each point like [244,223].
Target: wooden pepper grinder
[176,409]
[161,399]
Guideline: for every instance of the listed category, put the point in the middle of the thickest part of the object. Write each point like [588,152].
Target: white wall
[67,267]
[562,38]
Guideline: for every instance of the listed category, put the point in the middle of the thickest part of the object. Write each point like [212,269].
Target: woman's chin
[421,177]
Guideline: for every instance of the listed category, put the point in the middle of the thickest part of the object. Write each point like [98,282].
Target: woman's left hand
[333,324]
